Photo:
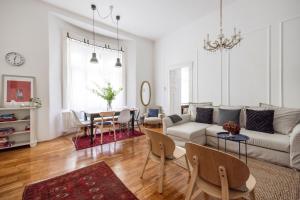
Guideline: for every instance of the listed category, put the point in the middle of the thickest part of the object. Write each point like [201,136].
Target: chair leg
[115,137]
[194,177]
[139,126]
[187,164]
[146,162]
[101,135]
[252,195]
[161,176]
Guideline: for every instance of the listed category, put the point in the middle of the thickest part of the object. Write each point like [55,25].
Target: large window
[82,76]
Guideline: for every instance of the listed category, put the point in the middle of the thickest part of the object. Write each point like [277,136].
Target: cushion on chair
[104,123]
[153,112]
[152,120]
[275,141]
[187,131]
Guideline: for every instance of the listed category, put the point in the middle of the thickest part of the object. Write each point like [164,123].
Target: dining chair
[107,120]
[137,119]
[83,126]
[124,119]
[162,149]
[218,174]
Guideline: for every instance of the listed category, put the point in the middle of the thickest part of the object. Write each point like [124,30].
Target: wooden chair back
[158,139]
[209,162]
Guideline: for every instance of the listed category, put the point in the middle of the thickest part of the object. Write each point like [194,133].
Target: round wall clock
[14,59]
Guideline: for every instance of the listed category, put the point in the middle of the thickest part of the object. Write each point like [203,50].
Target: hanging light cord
[94,29]
[118,35]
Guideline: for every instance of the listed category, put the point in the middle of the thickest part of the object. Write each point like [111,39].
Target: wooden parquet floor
[48,159]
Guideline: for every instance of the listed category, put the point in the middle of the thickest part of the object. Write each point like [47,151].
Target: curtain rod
[88,43]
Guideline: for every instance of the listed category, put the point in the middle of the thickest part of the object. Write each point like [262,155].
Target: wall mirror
[145,93]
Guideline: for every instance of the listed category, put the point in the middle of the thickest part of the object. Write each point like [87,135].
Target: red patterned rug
[93,182]
[83,142]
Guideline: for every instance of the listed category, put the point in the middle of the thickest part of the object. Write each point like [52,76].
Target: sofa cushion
[193,106]
[285,119]
[188,131]
[204,115]
[260,120]
[226,115]
[275,141]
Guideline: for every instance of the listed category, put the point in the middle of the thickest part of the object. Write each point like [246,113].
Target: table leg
[239,150]
[246,150]
[132,121]
[218,145]
[92,129]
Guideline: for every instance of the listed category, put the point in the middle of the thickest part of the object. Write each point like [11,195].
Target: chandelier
[222,42]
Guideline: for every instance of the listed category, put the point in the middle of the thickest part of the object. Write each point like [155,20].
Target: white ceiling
[147,18]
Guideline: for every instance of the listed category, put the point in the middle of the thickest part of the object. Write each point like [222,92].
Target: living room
[109,85]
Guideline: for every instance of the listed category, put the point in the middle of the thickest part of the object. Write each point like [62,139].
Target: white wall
[264,68]
[31,28]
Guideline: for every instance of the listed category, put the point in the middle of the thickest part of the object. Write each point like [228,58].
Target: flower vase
[109,106]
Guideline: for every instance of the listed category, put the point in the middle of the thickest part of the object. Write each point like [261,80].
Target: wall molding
[281,59]
[268,65]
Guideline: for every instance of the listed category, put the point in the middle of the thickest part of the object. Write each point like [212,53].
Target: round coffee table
[239,138]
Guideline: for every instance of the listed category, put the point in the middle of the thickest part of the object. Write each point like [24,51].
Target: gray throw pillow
[226,115]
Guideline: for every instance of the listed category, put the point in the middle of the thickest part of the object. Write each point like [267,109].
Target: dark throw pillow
[153,112]
[204,115]
[226,115]
[260,120]
[175,118]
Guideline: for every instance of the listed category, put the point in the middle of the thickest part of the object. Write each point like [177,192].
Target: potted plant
[106,93]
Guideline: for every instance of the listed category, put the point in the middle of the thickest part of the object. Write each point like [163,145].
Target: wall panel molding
[267,30]
[281,58]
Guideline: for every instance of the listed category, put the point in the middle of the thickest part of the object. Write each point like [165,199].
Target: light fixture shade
[94,58]
[118,63]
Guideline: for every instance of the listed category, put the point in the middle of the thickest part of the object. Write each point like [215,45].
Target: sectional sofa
[278,148]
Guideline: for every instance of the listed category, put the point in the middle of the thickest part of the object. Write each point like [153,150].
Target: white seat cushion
[188,131]
[274,141]
[152,120]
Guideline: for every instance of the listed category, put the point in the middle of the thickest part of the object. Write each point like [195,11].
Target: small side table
[239,138]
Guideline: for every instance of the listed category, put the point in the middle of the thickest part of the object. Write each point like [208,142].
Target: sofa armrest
[295,147]
[161,115]
[168,123]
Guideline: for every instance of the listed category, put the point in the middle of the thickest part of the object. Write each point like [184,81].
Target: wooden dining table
[92,114]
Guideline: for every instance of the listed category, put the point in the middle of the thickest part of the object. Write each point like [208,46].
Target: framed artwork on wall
[17,90]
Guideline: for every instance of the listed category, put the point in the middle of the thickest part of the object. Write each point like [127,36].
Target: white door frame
[190,65]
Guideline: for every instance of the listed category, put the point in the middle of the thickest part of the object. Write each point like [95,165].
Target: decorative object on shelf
[222,42]
[232,127]
[35,102]
[17,90]
[14,59]
[109,15]
[106,93]
[145,93]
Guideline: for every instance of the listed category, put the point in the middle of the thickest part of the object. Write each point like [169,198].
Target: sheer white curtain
[82,76]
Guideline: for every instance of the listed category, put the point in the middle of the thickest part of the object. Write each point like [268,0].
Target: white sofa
[283,149]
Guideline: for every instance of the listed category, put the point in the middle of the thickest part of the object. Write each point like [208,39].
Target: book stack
[7,117]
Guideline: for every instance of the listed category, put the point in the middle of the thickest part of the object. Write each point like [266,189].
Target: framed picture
[17,90]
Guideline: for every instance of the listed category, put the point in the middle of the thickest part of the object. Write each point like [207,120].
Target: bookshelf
[25,117]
